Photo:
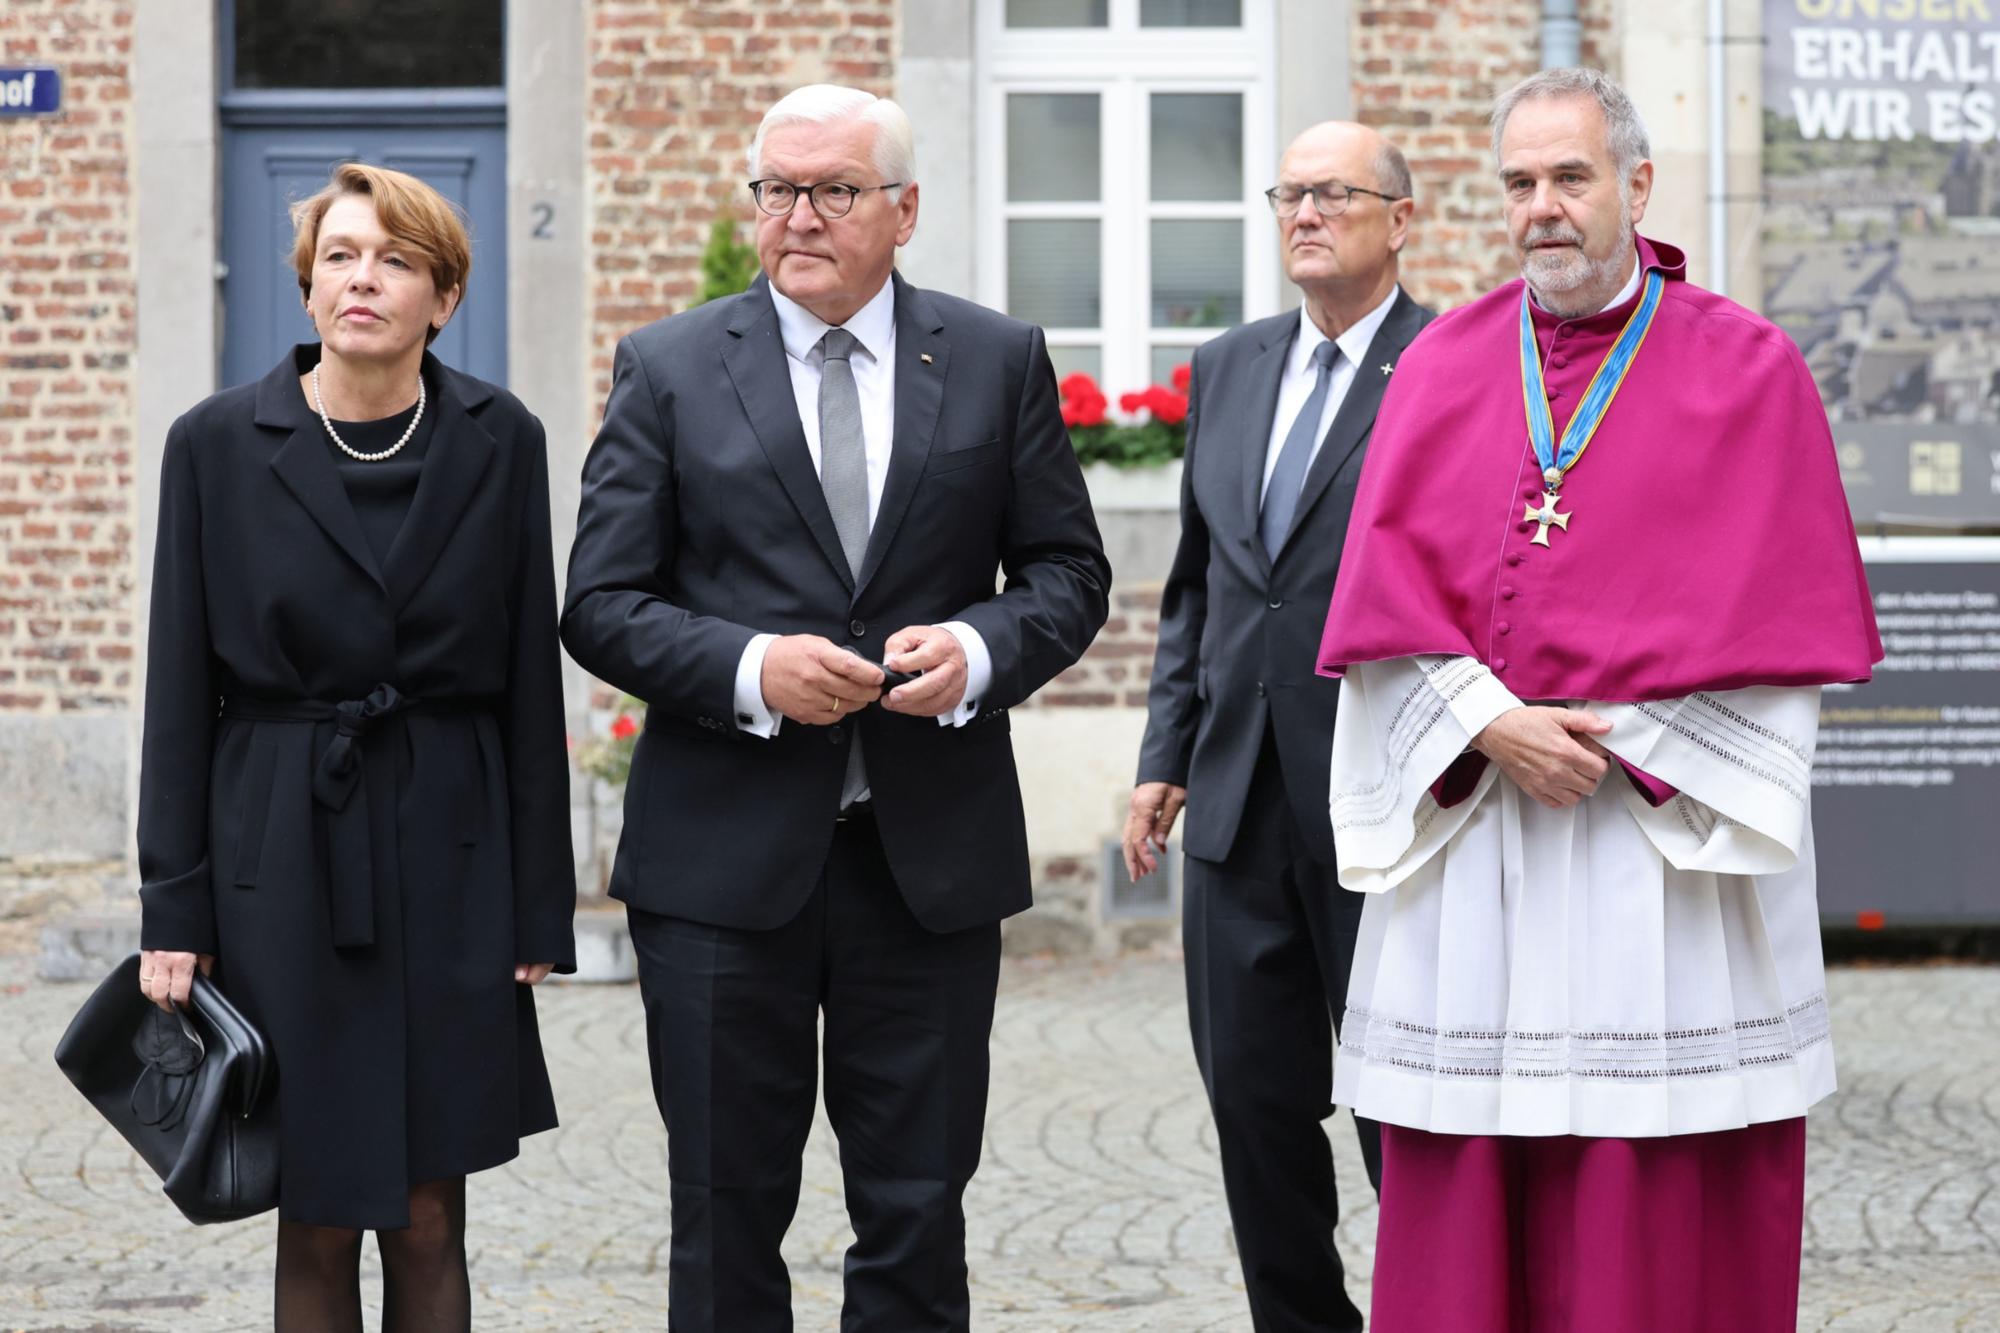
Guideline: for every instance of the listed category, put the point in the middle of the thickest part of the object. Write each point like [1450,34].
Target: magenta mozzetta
[1640,603]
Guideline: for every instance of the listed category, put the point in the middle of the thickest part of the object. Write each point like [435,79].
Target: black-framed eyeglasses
[1330,198]
[829,199]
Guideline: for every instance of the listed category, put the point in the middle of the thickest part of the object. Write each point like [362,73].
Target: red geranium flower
[1167,407]
[624,728]
[1076,384]
[1087,410]
[1182,374]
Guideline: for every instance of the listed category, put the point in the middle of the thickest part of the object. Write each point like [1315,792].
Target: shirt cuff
[1483,699]
[752,715]
[978,673]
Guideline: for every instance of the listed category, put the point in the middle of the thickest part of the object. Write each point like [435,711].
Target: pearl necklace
[356,454]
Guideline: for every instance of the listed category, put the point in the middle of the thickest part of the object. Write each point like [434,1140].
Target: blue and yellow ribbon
[1604,386]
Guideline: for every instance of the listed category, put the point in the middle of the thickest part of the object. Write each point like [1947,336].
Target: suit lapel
[922,357]
[1267,371]
[755,359]
[304,464]
[1356,416]
[459,453]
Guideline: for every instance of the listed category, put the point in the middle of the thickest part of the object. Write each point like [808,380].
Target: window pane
[1058,13]
[1197,275]
[1198,146]
[1069,360]
[368,44]
[1190,13]
[1166,357]
[1052,147]
[1052,273]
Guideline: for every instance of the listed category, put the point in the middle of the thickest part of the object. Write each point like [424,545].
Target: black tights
[424,1284]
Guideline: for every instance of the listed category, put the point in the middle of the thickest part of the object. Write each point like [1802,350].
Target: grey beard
[1580,287]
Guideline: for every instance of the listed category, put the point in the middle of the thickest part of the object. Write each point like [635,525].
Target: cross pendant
[1546,515]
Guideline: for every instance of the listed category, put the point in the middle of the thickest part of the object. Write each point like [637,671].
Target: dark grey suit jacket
[703,523]
[1238,634]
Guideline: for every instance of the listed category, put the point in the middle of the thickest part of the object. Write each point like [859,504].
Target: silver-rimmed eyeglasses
[1330,198]
[829,199]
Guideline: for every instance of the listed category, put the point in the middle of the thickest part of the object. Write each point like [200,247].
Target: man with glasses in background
[1239,728]
[793,518]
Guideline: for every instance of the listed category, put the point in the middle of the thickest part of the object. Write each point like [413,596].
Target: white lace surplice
[1610,969]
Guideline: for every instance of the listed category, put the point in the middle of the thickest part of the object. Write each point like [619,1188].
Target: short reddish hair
[411,211]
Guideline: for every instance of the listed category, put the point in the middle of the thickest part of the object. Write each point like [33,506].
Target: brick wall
[676,90]
[1425,74]
[66,339]
[1115,671]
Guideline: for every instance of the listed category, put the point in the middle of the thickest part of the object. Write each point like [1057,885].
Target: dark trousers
[1269,936]
[732,1028]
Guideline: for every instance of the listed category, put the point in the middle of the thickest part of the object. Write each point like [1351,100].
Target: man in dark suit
[791,486]
[1240,730]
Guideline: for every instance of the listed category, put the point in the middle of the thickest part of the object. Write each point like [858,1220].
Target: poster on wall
[1906,779]
[1882,242]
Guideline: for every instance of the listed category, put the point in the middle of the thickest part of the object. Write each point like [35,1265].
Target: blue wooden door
[267,167]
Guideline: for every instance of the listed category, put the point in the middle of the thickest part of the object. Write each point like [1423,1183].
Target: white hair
[830,103]
[1624,132]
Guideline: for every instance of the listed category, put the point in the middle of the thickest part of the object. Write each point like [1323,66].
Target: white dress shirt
[874,365]
[1300,375]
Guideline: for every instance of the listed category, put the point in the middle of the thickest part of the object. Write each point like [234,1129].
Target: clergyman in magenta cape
[1710,546]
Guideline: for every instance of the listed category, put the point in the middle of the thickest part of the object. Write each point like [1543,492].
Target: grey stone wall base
[64,779]
[85,947]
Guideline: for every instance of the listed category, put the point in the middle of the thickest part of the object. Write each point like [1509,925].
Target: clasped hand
[1550,753]
[813,681]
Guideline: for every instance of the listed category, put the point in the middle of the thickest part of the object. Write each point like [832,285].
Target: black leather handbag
[190,1090]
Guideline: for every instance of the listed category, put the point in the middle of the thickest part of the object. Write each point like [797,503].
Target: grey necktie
[843,475]
[1281,496]
[843,457]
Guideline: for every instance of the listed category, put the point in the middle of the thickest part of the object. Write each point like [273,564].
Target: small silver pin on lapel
[1386,367]
[924,357]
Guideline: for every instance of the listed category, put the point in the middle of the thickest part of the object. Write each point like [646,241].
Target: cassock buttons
[1555,393]
[1558,362]
[1504,627]
[1506,594]
[1499,664]
[1514,557]
[1530,494]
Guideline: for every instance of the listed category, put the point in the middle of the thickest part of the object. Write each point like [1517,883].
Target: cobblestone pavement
[1098,1206]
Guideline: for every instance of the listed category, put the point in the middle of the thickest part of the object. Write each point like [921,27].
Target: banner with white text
[1882,242]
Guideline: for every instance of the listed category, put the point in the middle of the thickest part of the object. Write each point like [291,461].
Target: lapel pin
[924,357]
[1386,368]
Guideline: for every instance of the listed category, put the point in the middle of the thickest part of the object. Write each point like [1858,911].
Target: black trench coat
[354,788]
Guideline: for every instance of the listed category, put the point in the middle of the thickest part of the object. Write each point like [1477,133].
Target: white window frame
[1124,64]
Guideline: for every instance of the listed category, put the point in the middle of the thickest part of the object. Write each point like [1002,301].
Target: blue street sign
[32,91]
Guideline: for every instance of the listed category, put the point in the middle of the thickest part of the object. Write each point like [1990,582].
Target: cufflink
[745,719]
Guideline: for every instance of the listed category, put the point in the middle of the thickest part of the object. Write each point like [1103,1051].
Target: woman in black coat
[354,799]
